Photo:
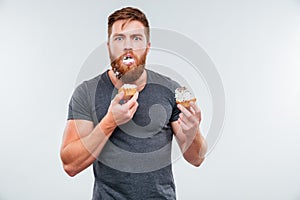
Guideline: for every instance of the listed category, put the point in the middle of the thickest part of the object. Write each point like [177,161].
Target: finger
[185,111]
[118,98]
[197,111]
[183,125]
[134,108]
[183,119]
[189,122]
[135,96]
[195,107]
[191,109]
[132,101]
[189,119]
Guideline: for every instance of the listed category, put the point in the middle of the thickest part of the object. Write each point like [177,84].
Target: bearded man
[129,142]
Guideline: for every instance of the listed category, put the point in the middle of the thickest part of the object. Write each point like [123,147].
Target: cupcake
[183,96]
[129,90]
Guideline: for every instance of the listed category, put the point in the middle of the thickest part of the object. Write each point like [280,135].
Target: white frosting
[128,60]
[183,94]
[129,86]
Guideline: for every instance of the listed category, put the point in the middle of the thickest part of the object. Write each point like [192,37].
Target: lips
[128,59]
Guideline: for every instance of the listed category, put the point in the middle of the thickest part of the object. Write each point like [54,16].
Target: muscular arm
[82,143]
[188,135]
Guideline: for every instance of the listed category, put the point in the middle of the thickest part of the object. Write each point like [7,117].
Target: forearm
[195,149]
[82,152]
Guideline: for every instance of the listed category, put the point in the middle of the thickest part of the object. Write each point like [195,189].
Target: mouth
[128,60]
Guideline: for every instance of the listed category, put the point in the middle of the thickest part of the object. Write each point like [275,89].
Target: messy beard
[128,73]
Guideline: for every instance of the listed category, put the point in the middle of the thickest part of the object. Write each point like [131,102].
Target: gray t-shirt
[136,161]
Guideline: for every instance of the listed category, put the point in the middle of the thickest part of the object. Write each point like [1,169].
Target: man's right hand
[122,113]
[82,143]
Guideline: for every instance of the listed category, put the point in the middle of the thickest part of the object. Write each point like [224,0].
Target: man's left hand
[189,119]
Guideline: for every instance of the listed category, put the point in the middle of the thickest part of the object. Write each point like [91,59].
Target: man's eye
[137,38]
[119,38]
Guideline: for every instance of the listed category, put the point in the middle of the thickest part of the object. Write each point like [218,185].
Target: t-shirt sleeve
[80,104]
[175,113]
[175,110]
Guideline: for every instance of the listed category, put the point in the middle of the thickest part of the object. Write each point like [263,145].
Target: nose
[127,44]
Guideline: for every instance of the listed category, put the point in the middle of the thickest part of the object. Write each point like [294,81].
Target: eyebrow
[137,34]
[133,35]
[118,34]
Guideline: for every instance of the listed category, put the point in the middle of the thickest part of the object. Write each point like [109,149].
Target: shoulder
[89,86]
[91,83]
[157,78]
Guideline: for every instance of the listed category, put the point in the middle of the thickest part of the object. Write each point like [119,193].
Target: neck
[140,82]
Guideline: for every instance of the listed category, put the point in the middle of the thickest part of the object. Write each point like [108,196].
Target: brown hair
[128,14]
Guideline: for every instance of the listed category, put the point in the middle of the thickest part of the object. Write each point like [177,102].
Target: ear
[108,46]
[148,47]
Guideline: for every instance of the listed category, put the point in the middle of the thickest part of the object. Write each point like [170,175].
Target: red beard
[128,72]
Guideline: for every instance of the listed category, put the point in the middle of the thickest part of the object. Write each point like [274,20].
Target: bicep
[76,129]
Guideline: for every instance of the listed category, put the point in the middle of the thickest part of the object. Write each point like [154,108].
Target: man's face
[128,48]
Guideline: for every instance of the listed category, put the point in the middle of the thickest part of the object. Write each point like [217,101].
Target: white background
[255,46]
